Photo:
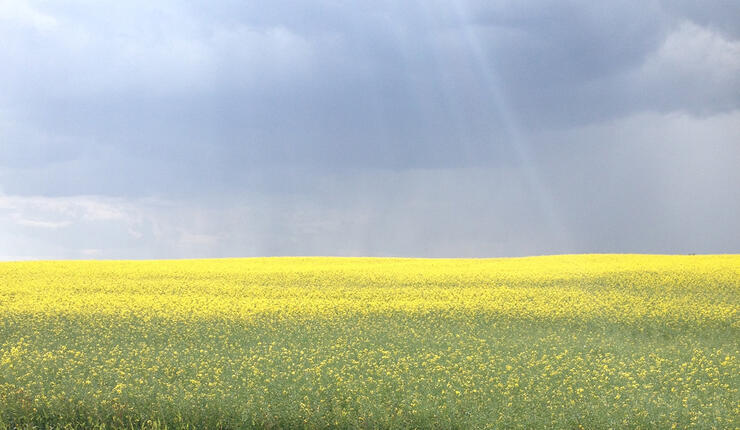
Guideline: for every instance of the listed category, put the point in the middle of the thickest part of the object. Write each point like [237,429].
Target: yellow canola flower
[700,289]
[572,341]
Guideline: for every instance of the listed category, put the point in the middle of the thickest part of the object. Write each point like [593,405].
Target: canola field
[591,341]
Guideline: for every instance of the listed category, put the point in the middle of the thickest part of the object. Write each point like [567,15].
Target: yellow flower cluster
[582,340]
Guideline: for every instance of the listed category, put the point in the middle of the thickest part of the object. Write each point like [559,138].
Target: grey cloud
[693,65]
[374,85]
[722,15]
[553,42]
[425,128]
[648,183]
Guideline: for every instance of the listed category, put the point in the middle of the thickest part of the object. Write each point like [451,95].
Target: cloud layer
[462,128]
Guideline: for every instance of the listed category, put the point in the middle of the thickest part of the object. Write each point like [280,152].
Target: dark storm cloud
[371,84]
[434,117]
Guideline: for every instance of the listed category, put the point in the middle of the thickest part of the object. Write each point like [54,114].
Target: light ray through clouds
[515,139]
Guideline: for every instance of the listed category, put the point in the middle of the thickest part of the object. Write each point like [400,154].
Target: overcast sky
[447,128]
